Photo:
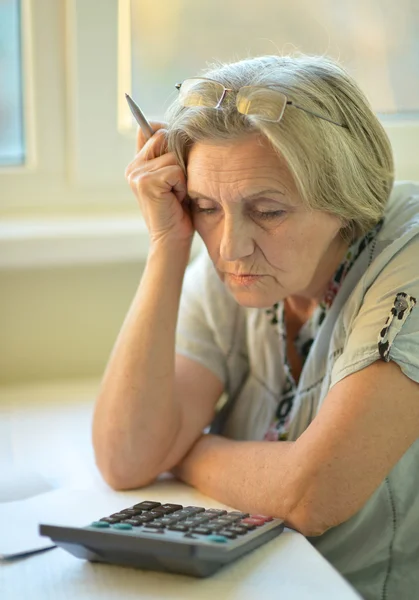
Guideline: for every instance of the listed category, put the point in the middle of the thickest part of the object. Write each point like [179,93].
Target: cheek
[209,233]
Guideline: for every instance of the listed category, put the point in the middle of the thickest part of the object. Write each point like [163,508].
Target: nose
[236,242]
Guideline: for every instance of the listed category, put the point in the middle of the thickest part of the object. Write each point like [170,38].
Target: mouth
[246,279]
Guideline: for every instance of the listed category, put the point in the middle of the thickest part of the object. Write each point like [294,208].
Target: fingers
[141,165]
[141,138]
[159,184]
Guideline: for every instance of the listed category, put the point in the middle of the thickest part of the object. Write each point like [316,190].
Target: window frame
[77,148]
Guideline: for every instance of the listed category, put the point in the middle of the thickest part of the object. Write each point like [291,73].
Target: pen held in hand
[140,118]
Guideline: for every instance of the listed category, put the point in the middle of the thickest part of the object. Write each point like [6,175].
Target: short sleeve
[386,326]
[196,333]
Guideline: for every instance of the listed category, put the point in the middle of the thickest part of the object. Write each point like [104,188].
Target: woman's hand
[159,184]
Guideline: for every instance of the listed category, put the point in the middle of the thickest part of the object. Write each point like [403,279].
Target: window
[377,40]
[70,134]
[12,143]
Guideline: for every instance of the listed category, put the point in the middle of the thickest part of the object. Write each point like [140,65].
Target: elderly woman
[300,314]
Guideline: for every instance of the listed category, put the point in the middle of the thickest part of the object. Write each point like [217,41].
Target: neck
[300,307]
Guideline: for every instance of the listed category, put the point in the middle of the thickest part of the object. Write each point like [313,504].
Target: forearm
[255,477]
[136,417]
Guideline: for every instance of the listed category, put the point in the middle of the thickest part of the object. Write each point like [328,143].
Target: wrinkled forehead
[249,160]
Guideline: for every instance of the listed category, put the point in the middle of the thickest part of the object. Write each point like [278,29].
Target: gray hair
[347,172]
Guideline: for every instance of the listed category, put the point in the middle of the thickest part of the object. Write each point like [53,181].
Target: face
[265,244]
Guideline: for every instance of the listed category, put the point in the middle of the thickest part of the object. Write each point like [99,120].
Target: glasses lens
[265,103]
[200,92]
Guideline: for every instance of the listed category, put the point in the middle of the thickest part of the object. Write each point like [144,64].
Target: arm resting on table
[367,422]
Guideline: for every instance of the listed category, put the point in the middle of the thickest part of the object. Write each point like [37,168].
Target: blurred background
[72,240]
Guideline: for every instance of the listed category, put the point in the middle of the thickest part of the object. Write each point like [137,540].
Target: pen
[140,118]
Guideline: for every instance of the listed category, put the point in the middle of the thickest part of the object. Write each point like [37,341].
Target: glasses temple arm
[310,112]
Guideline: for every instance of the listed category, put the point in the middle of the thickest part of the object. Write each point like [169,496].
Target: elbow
[309,517]
[120,474]
[306,524]
[123,479]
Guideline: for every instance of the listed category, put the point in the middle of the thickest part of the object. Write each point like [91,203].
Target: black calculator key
[156,522]
[202,530]
[203,518]
[190,522]
[147,505]
[238,530]
[194,509]
[228,534]
[221,521]
[236,513]
[132,512]
[216,511]
[110,520]
[145,518]
[216,528]
[167,521]
[119,515]
[134,522]
[168,508]
[248,526]
[178,528]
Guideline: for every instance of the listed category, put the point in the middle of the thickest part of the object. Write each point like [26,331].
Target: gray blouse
[373,317]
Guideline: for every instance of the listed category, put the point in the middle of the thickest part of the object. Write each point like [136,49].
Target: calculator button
[248,526]
[188,522]
[122,526]
[202,530]
[147,505]
[194,509]
[145,518]
[167,521]
[100,524]
[153,526]
[216,511]
[228,534]
[221,539]
[262,518]
[119,515]
[256,522]
[216,527]
[223,522]
[168,508]
[131,512]
[238,530]
[110,520]
[134,522]
[177,528]
[158,522]
[182,513]
[236,513]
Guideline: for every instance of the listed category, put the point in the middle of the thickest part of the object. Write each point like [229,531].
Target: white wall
[61,322]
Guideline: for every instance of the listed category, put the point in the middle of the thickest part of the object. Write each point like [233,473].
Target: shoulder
[402,211]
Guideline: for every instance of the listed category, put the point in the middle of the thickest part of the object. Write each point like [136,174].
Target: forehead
[245,159]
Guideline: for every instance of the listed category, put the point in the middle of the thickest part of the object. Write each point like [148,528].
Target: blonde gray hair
[347,172]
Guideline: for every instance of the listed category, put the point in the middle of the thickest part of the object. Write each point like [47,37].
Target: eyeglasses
[264,102]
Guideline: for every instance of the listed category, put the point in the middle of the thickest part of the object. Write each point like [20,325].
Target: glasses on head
[265,102]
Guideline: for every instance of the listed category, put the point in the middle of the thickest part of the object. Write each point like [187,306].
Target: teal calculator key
[100,524]
[217,538]
[122,526]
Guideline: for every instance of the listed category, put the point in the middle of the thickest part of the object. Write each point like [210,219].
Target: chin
[252,299]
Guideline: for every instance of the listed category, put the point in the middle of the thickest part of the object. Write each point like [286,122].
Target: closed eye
[275,214]
[258,214]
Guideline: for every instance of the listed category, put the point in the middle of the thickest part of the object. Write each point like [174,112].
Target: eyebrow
[195,195]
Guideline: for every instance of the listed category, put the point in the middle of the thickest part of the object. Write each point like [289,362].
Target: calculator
[191,540]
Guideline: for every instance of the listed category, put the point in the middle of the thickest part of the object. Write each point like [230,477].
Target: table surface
[46,428]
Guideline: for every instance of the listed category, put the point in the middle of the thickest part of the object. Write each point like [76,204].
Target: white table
[47,429]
